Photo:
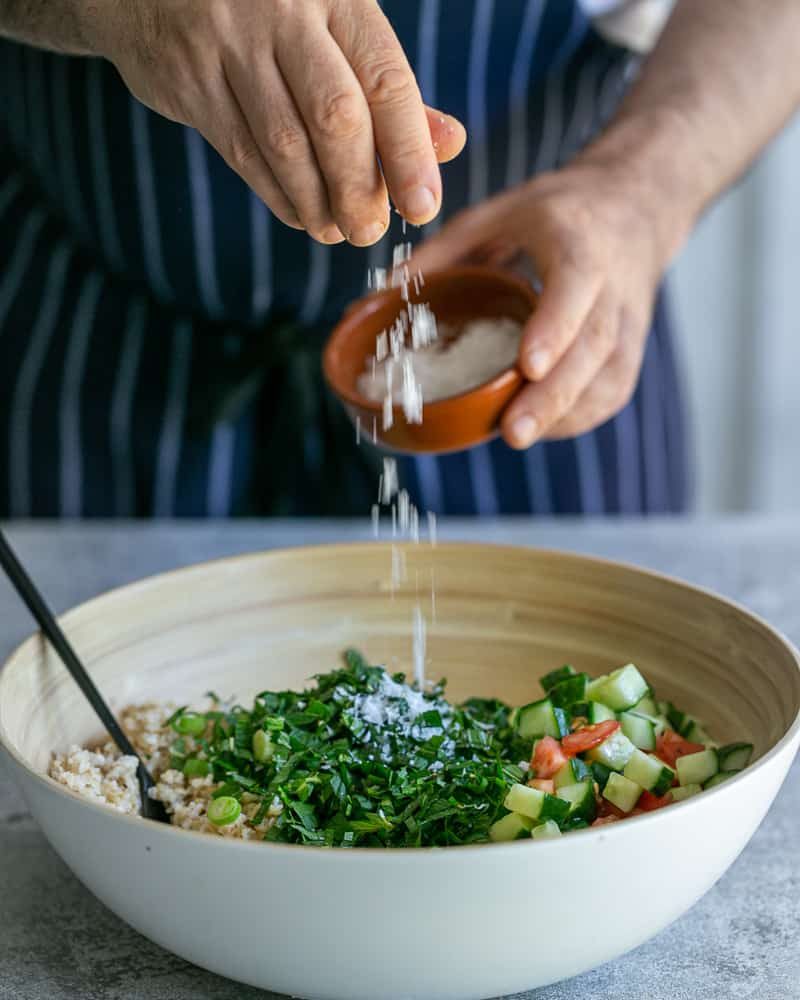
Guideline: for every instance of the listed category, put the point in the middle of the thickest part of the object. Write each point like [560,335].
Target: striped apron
[160,331]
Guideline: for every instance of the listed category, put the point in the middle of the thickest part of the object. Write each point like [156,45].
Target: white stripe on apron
[538,480]
[169,445]
[654,435]
[517,164]
[479,460]
[22,400]
[71,477]
[12,186]
[202,223]
[427,54]
[553,124]
[220,470]
[261,258]
[121,417]
[148,210]
[319,273]
[590,474]
[23,252]
[626,431]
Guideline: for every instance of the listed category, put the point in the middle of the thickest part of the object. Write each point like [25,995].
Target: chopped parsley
[364,759]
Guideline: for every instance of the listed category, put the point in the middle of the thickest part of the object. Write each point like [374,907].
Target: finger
[541,405]
[569,290]
[608,393]
[234,141]
[283,141]
[448,135]
[337,119]
[402,134]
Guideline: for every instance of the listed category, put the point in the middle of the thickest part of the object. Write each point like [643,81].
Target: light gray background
[735,295]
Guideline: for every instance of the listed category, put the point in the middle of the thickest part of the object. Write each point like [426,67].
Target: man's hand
[594,244]
[313,103]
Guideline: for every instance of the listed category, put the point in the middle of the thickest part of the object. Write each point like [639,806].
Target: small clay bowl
[456,296]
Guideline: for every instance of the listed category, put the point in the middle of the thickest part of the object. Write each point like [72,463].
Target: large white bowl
[445,924]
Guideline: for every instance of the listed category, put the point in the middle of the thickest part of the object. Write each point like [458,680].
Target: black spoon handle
[46,621]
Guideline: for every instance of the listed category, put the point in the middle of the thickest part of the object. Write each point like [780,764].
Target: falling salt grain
[418,647]
[431,527]
[376,520]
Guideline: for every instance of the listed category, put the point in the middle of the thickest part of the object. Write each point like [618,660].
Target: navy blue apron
[160,331]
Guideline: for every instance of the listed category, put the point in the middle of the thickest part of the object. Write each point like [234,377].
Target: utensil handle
[48,624]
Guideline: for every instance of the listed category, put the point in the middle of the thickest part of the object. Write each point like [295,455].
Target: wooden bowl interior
[503,617]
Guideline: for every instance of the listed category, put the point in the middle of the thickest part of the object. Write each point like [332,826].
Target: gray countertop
[740,941]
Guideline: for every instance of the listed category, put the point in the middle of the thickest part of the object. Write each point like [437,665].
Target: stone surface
[740,941]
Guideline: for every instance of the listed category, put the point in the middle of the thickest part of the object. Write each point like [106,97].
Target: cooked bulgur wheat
[106,776]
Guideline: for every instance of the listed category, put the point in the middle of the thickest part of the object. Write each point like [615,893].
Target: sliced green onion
[263,747]
[224,810]
[196,768]
[190,724]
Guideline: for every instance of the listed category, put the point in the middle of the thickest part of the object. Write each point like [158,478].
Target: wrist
[650,157]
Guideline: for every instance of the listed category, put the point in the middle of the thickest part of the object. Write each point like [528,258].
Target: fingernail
[331,234]
[524,430]
[420,203]
[367,235]
[539,362]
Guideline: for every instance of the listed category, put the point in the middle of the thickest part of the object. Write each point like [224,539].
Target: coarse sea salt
[446,365]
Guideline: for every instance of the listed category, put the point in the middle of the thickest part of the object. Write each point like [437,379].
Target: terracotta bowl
[455,296]
[456,923]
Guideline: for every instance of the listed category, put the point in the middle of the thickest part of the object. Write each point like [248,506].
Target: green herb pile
[359,761]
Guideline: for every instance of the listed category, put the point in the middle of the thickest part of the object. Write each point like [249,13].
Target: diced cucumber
[734,756]
[511,827]
[719,777]
[660,722]
[546,830]
[593,685]
[581,800]
[697,768]
[639,730]
[580,708]
[556,676]
[569,691]
[613,752]
[649,772]
[646,706]
[622,689]
[622,792]
[598,712]
[541,718]
[684,791]
[696,733]
[601,774]
[571,773]
[535,804]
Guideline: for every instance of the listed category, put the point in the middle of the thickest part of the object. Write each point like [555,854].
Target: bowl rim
[393,854]
[503,379]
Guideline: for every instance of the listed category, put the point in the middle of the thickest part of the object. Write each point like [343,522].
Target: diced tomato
[548,758]
[649,802]
[602,820]
[588,737]
[670,745]
[606,808]
[543,784]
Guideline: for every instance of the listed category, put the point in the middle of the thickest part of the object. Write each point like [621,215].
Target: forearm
[722,80]
[71,26]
